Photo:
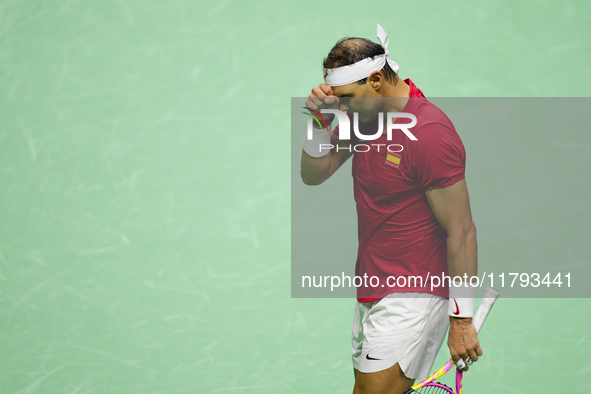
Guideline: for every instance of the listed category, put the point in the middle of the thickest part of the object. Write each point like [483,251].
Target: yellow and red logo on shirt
[393,159]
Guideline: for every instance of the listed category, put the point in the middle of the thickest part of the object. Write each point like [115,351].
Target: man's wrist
[328,120]
[460,320]
[319,144]
[461,300]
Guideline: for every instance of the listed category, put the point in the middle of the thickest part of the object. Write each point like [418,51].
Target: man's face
[358,98]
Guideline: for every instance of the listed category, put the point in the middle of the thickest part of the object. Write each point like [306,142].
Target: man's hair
[352,50]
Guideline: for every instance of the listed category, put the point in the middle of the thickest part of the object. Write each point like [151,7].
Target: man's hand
[322,97]
[462,340]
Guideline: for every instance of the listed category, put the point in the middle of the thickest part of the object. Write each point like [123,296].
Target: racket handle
[490,296]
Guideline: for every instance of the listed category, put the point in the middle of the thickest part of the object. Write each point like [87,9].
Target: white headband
[362,69]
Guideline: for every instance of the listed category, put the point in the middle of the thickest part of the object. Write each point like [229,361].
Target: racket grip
[490,296]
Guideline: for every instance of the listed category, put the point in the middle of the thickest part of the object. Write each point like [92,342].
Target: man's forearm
[462,255]
[314,171]
[462,260]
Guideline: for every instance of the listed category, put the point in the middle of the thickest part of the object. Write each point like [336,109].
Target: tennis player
[414,217]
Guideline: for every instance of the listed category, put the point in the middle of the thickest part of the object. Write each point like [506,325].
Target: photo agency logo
[345,130]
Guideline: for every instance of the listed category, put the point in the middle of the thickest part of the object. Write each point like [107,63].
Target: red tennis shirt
[399,235]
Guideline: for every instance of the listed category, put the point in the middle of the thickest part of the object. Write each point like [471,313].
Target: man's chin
[364,118]
[367,119]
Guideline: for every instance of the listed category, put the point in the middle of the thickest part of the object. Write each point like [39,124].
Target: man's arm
[314,170]
[451,206]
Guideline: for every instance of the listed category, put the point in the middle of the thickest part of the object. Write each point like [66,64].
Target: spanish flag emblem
[393,159]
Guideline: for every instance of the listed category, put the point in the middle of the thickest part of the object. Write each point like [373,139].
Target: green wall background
[145,188]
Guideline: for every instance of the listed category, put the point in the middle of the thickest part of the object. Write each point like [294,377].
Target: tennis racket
[429,385]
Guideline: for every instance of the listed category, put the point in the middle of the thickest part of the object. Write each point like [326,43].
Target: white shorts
[400,328]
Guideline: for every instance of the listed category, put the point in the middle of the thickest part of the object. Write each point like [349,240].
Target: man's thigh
[396,335]
[388,381]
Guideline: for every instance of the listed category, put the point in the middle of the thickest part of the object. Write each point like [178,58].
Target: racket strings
[439,389]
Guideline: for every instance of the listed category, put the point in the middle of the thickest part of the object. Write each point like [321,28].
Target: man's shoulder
[434,131]
[429,116]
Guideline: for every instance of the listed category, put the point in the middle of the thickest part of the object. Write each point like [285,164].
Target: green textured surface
[145,189]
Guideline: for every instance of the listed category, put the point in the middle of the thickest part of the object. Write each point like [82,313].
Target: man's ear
[375,79]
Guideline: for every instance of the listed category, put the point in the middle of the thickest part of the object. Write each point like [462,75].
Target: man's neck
[397,95]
